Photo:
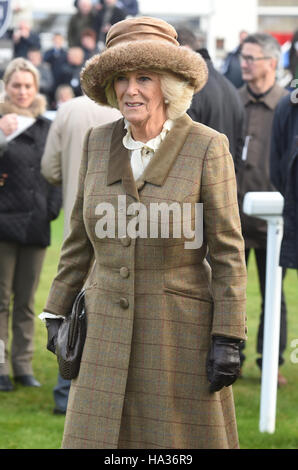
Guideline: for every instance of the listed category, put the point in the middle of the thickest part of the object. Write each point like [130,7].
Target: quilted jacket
[27,202]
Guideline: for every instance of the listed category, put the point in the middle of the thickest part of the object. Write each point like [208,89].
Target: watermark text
[294,93]
[294,353]
[158,220]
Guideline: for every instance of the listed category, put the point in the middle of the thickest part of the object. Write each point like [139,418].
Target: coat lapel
[159,167]
[119,168]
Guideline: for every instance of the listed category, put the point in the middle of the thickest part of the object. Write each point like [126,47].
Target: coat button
[124,302]
[124,272]
[125,241]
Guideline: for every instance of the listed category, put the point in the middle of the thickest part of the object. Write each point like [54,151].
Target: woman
[154,307]
[27,204]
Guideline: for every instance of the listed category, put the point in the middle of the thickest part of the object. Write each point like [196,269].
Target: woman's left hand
[53,326]
[223,362]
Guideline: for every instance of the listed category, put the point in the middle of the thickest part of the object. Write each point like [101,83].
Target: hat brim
[144,54]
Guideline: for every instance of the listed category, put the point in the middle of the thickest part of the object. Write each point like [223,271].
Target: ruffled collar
[152,144]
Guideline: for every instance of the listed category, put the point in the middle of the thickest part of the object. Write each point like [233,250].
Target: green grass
[26,418]
[27,421]
[247,391]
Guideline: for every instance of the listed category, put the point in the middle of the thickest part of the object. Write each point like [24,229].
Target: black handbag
[71,339]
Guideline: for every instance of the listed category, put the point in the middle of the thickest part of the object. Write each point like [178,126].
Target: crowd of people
[172,128]
[61,63]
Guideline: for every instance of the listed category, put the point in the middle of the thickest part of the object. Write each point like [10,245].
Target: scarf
[37,107]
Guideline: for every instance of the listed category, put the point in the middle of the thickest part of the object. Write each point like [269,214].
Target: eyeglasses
[250,59]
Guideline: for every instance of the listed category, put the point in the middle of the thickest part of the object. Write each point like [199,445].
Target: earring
[166,101]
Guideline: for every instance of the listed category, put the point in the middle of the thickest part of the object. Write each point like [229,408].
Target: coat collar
[270,99]
[160,165]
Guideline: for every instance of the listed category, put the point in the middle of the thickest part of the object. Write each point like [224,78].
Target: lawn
[27,421]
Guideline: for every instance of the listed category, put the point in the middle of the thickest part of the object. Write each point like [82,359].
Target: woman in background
[27,205]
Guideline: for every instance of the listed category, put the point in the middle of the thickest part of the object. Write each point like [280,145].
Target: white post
[269,206]
[271,326]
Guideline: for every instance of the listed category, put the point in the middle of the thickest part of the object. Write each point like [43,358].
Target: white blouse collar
[152,144]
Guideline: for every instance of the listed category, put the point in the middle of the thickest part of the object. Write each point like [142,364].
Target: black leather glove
[223,362]
[53,326]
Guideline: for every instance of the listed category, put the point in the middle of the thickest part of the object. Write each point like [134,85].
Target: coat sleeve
[76,253]
[222,232]
[3,143]
[276,152]
[51,167]
[239,138]
[54,201]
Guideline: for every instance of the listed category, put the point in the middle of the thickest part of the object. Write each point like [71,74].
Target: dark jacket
[253,172]
[56,58]
[108,16]
[77,24]
[219,106]
[27,201]
[130,6]
[232,69]
[70,75]
[21,48]
[284,175]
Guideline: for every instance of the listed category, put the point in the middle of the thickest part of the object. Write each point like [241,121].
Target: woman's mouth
[133,105]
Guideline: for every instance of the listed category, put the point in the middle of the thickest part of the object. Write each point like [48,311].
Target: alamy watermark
[158,220]
[294,353]
[294,93]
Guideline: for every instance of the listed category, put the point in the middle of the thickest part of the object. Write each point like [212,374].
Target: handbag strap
[78,310]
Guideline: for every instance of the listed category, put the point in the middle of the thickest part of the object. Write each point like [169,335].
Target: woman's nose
[132,87]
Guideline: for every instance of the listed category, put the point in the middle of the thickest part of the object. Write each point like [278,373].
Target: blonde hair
[21,64]
[177,93]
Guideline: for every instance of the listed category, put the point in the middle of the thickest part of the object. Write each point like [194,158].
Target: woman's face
[140,98]
[21,88]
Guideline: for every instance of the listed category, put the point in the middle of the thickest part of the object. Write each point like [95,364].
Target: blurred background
[219,21]
[220,26]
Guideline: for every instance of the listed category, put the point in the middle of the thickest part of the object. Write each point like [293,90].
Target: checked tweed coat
[152,305]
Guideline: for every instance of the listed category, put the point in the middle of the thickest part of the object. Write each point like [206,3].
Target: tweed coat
[153,305]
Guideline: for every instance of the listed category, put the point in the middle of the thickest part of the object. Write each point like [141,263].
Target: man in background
[218,104]
[231,68]
[56,56]
[24,39]
[284,174]
[70,72]
[260,95]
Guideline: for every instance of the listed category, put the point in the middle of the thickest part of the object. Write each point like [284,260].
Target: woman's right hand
[9,123]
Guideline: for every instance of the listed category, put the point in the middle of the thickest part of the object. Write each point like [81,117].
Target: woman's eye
[144,78]
[120,78]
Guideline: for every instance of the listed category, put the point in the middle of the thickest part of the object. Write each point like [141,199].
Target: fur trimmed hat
[141,43]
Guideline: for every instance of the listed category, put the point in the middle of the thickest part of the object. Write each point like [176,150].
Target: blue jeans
[60,392]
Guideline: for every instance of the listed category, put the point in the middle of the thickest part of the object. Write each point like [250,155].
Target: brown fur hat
[141,43]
